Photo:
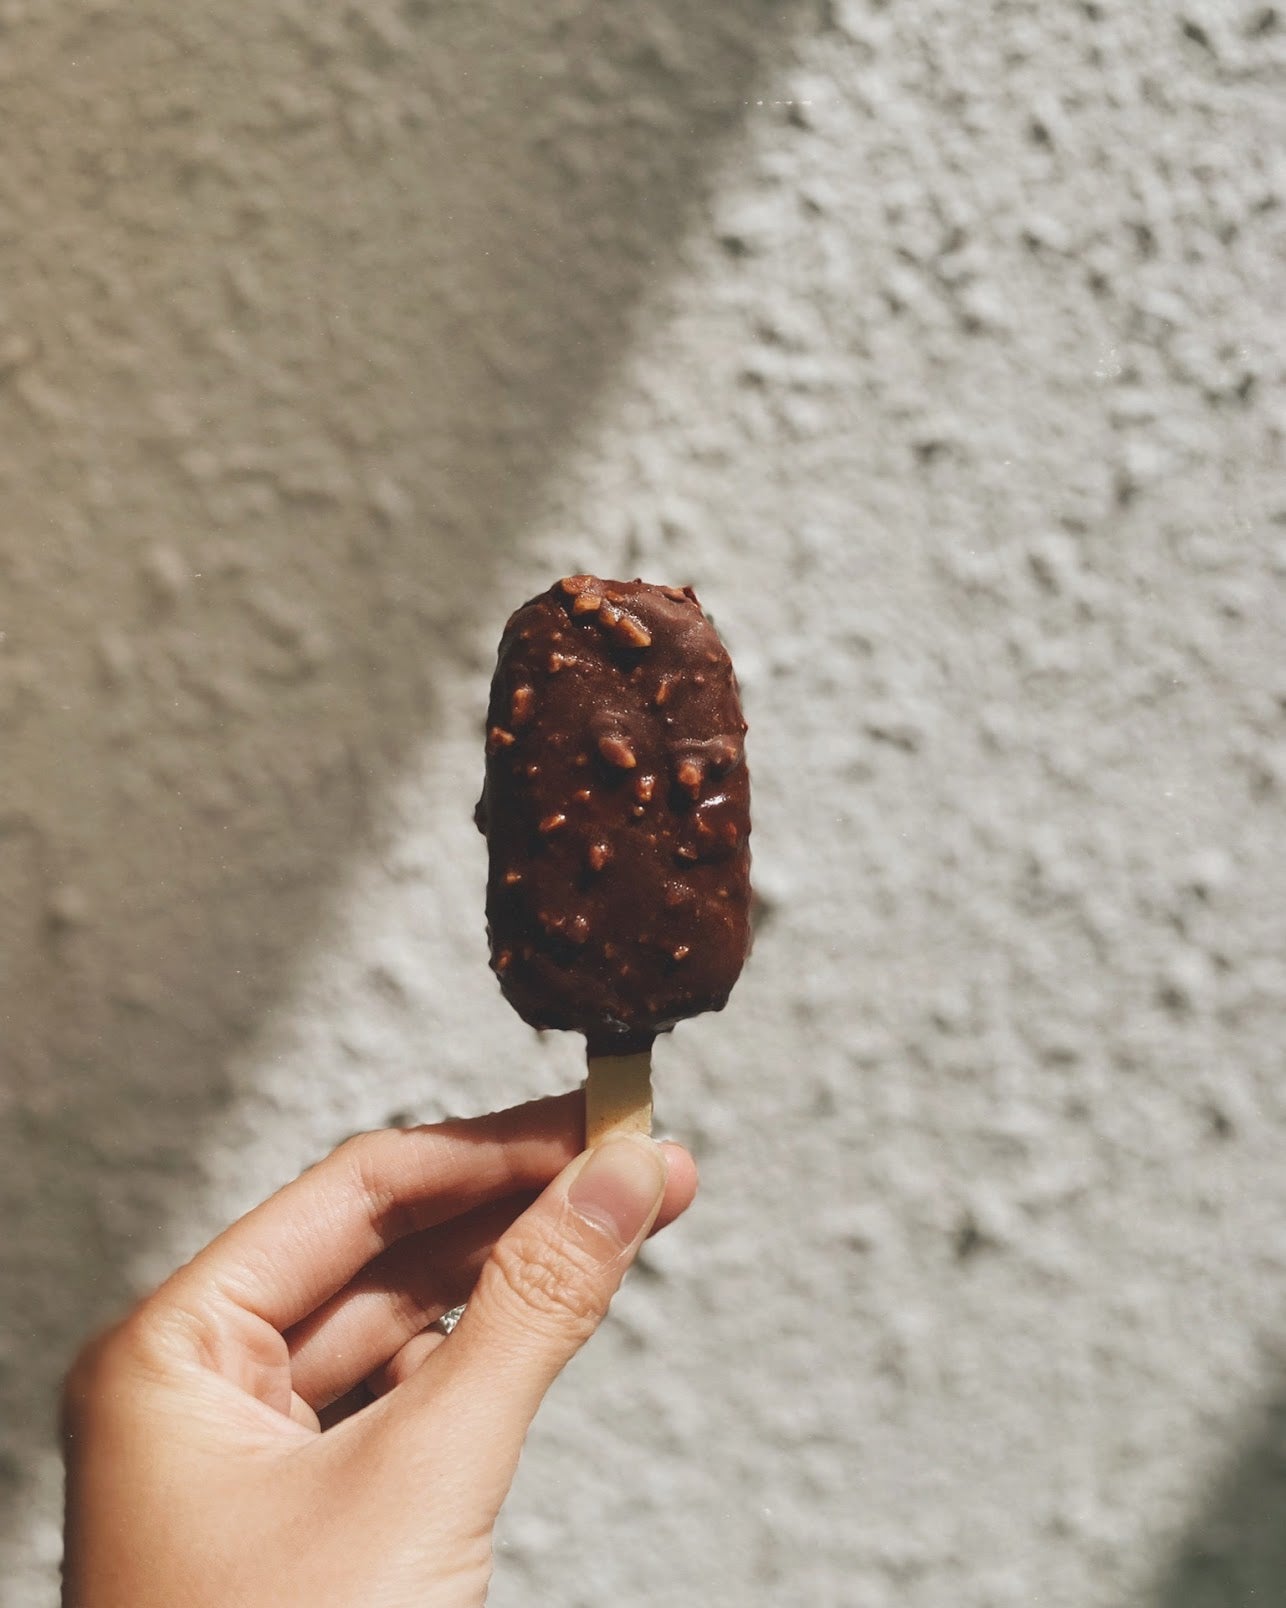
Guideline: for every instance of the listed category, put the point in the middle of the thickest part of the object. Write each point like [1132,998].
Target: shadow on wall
[300,304]
[1234,1556]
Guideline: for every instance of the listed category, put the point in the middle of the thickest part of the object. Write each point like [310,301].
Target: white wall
[937,345]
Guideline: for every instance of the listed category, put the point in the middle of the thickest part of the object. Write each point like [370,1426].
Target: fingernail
[620,1187]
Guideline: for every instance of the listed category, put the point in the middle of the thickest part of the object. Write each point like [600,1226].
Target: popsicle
[616,808]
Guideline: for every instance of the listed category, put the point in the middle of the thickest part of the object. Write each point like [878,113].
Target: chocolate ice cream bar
[617,813]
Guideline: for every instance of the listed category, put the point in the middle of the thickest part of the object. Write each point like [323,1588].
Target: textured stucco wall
[937,344]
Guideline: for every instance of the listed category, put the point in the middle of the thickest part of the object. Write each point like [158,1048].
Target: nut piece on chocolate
[617,813]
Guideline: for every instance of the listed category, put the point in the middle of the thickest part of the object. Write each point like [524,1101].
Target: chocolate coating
[617,813]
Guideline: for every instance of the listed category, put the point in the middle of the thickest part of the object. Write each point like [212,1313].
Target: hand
[199,1475]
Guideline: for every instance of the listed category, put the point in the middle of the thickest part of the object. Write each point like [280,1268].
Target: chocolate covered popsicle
[616,808]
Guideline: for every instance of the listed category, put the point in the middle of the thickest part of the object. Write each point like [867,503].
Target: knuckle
[355,1149]
[92,1373]
[84,1379]
[135,1346]
[366,1157]
[550,1278]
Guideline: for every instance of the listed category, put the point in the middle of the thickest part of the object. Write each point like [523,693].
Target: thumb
[543,1291]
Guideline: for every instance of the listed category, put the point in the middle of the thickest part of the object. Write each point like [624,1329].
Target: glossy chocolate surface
[617,813]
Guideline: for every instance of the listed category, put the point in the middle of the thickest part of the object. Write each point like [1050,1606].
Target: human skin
[198,1469]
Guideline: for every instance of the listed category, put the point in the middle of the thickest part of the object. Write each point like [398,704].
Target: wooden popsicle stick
[618,1096]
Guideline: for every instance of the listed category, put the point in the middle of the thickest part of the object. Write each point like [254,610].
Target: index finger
[287,1256]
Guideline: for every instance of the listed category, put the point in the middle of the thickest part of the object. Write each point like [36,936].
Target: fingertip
[681,1183]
